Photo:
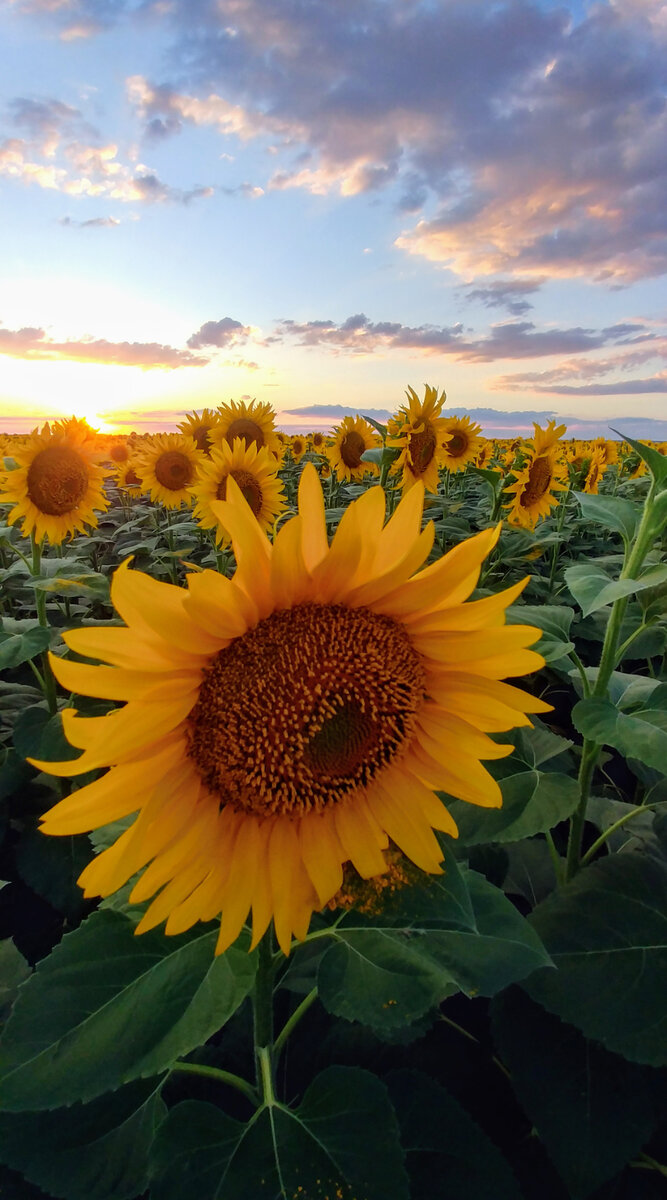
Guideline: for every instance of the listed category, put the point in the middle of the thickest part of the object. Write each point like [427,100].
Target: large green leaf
[447,1154]
[38,734]
[606,932]
[387,971]
[611,512]
[593,589]
[107,1007]
[641,734]
[655,461]
[533,801]
[51,867]
[342,1141]
[554,621]
[592,1109]
[96,1151]
[13,971]
[18,648]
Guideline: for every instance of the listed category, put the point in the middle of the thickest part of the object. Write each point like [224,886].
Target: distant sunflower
[168,468]
[118,452]
[461,443]
[546,439]
[318,442]
[199,427]
[534,488]
[484,454]
[351,439]
[293,718]
[608,451]
[128,476]
[254,473]
[298,446]
[253,423]
[418,431]
[58,484]
[596,469]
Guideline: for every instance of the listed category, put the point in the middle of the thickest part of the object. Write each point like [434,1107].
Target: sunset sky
[320,202]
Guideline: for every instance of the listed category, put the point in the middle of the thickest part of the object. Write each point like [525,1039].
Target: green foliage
[341,1141]
[641,734]
[606,933]
[106,1008]
[575,1092]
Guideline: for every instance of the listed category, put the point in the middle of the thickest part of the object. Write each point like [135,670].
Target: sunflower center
[201,438]
[422,449]
[131,477]
[174,470]
[119,453]
[250,489]
[305,708]
[246,429]
[539,478]
[457,445]
[57,480]
[351,449]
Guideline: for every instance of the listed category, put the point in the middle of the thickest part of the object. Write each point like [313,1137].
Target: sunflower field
[333,812]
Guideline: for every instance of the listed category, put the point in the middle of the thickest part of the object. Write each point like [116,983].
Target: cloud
[626,387]
[92,223]
[514,339]
[224,333]
[34,344]
[506,293]
[574,375]
[532,136]
[338,411]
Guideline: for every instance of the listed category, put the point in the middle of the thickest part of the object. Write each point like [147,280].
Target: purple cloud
[221,334]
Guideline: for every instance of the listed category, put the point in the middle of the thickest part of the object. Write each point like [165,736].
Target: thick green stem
[634,558]
[47,680]
[227,1077]
[557,545]
[262,1007]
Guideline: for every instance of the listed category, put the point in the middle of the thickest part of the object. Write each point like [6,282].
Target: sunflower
[298,446]
[535,483]
[293,718]
[198,426]
[462,443]
[418,431]
[118,452]
[484,454]
[608,451]
[253,471]
[58,484]
[546,439]
[351,439]
[128,475]
[168,468]
[318,442]
[596,470]
[253,422]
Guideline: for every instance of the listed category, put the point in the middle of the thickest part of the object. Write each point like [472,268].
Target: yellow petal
[240,885]
[358,839]
[283,855]
[311,509]
[157,608]
[449,580]
[468,646]
[289,577]
[476,614]
[401,530]
[118,683]
[407,829]
[321,854]
[218,606]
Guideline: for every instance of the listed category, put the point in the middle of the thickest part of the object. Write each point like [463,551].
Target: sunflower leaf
[655,461]
[533,801]
[22,647]
[447,1154]
[592,1109]
[342,1140]
[107,1007]
[89,1151]
[641,734]
[621,516]
[606,933]
[593,589]
[387,971]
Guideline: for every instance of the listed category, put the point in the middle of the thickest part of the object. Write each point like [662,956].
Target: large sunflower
[253,422]
[199,427]
[534,487]
[351,439]
[293,718]
[253,471]
[168,468]
[462,443]
[58,484]
[418,431]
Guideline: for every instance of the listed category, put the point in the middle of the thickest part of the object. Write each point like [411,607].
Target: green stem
[293,1021]
[262,1007]
[47,680]
[628,642]
[557,545]
[634,557]
[227,1077]
[650,1164]
[555,857]
[586,687]
[600,841]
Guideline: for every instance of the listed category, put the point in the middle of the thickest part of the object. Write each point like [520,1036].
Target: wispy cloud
[91,223]
[35,344]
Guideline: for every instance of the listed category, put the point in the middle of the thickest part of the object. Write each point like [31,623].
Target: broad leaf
[51,867]
[533,801]
[641,734]
[387,971]
[37,734]
[342,1141]
[553,620]
[13,971]
[592,1109]
[95,1151]
[655,461]
[447,1154]
[606,933]
[593,589]
[622,516]
[20,647]
[107,1007]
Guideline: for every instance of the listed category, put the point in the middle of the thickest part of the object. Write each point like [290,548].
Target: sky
[318,203]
